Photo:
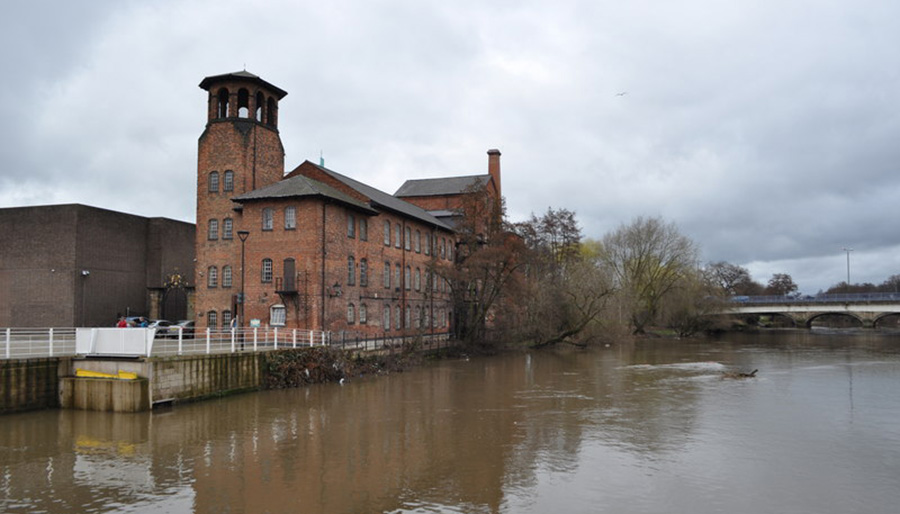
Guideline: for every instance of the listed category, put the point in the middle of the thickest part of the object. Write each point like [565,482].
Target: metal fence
[27,343]
[819,298]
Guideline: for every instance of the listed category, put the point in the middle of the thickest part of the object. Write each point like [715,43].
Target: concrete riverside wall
[199,376]
[29,384]
[105,394]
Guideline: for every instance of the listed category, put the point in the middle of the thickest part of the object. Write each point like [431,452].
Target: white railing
[29,343]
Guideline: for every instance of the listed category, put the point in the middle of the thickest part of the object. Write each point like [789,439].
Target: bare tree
[647,258]
[781,284]
[733,279]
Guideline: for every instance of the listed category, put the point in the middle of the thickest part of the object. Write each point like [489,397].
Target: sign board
[254,323]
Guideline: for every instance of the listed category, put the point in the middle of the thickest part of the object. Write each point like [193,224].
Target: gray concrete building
[75,265]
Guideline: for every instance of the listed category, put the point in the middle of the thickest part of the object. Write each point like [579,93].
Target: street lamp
[848,250]
[242,235]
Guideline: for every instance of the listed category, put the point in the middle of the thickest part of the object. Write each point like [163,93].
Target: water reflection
[645,427]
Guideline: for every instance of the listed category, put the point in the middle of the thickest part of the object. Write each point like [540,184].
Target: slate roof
[207,82]
[381,199]
[440,186]
[298,187]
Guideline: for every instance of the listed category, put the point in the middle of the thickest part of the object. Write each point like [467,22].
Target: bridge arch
[858,321]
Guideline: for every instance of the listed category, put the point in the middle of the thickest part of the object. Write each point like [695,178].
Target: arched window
[427,244]
[406,239]
[213,231]
[351,271]
[271,111]
[226,319]
[243,103]
[418,282]
[266,275]
[260,101]
[212,276]
[212,320]
[408,316]
[363,225]
[351,313]
[227,228]
[363,314]
[363,273]
[397,235]
[387,275]
[226,276]
[351,226]
[418,321]
[387,233]
[418,241]
[398,277]
[228,182]
[386,317]
[406,278]
[268,214]
[222,103]
[397,317]
[213,182]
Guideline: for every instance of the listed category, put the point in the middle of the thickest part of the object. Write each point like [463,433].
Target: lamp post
[848,250]
[242,235]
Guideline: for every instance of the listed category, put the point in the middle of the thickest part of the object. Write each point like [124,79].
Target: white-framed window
[277,315]
[226,319]
[227,228]
[226,276]
[268,215]
[351,314]
[363,314]
[290,218]
[213,232]
[266,275]
[212,276]
[228,181]
[213,182]
[212,320]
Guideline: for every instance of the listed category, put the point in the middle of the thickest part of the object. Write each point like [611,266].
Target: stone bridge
[867,308]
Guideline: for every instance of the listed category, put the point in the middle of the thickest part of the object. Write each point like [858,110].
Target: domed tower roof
[245,76]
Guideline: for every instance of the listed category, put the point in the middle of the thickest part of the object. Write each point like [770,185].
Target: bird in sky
[623,93]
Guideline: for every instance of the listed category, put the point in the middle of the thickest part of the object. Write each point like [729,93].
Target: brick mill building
[320,250]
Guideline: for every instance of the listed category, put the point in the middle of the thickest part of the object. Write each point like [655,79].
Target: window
[418,316]
[260,101]
[408,316]
[213,183]
[226,319]
[213,232]
[398,276]
[397,235]
[351,271]
[270,111]
[418,241]
[290,218]
[363,225]
[267,216]
[226,276]
[277,315]
[406,238]
[427,244]
[443,252]
[351,226]
[222,103]
[212,276]
[212,320]
[243,103]
[266,270]
[363,314]
[386,317]
[227,228]
[363,273]
[449,249]
[387,233]
[418,282]
[387,275]
[351,314]
[228,181]
[406,278]
[397,319]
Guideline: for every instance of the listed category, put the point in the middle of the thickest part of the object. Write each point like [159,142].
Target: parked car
[187,328]
[163,328]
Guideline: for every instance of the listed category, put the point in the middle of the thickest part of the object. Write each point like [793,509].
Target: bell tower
[240,150]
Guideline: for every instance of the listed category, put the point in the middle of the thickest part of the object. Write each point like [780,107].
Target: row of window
[265,108]
[212,319]
[212,183]
[212,276]
[421,318]
[431,246]
[212,231]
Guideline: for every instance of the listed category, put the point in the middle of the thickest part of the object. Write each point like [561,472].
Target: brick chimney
[494,168]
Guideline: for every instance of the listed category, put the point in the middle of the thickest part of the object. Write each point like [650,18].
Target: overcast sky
[768,131]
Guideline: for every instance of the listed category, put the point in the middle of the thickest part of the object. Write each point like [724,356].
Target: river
[644,427]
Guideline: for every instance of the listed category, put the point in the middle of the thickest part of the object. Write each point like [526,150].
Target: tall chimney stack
[494,168]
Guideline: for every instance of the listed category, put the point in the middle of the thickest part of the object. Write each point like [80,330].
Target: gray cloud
[766,130]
